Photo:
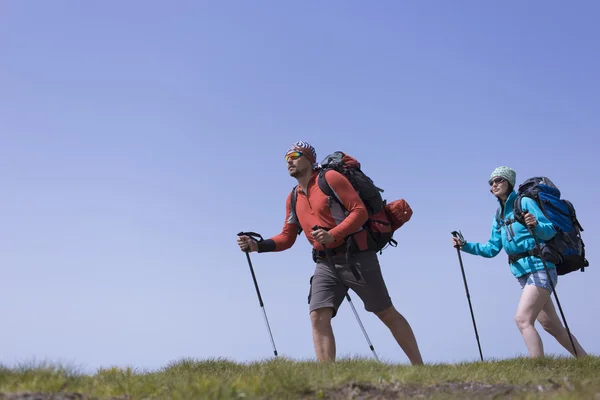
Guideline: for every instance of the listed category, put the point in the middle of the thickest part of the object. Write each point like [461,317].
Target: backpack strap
[517,213]
[506,223]
[573,214]
[518,210]
[530,253]
[498,219]
[327,190]
[323,184]
[501,221]
[293,198]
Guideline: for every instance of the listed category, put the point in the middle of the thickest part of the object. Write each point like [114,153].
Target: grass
[549,377]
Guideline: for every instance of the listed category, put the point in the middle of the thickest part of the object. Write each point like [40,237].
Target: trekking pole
[332,264]
[460,237]
[537,245]
[259,238]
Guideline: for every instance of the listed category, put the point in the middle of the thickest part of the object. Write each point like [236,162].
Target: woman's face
[499,187]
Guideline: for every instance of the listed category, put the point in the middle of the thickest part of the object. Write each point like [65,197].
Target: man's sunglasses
[293,155]
[497,181]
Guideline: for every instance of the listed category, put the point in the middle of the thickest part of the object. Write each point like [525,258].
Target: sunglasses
[293,155]
[497,181]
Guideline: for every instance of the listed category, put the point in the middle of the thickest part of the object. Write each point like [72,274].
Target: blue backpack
[566,249]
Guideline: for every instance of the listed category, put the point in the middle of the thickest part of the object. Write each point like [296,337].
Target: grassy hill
[547,378]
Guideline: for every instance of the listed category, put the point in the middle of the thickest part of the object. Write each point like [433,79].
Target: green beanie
[507,173]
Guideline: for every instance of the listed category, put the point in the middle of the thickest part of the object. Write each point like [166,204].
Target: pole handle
[459,236]
[253,235]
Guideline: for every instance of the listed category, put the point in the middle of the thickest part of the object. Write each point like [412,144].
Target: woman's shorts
[539,279]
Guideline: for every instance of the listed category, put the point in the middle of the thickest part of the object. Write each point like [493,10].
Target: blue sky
[137,138]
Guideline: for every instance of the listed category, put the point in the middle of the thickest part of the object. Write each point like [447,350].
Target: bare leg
[532,301]
[323,339]
[552,324]
[402,332]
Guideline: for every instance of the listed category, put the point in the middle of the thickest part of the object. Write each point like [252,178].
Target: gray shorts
[540,279]
[327,291]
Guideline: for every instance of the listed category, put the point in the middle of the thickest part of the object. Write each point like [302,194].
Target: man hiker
[357,265]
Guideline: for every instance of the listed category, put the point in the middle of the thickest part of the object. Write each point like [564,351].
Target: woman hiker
[535,302]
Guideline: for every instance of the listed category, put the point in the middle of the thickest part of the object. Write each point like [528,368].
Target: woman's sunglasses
[497,181]
[293,155]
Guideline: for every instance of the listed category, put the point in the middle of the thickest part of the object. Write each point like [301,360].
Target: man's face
[297,164]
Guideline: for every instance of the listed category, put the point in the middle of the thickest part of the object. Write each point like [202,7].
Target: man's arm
[288,235]
[357,212]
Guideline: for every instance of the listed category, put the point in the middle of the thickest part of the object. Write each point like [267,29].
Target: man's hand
[246,243]
[322,236]
[530,220]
